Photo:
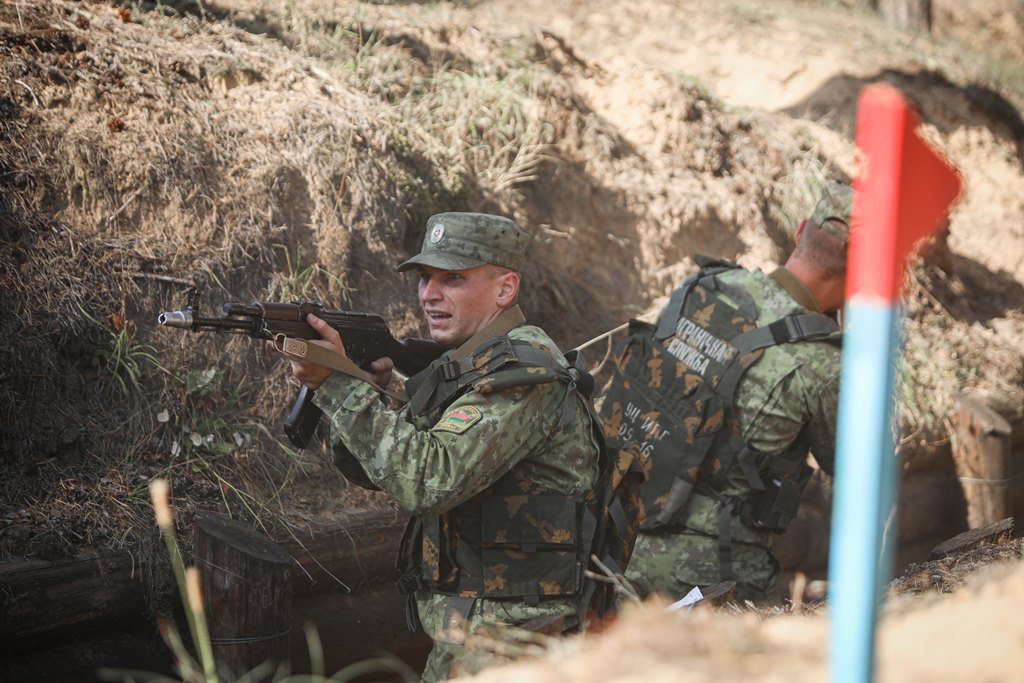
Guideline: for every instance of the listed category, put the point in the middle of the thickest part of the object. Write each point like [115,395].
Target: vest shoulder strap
[501,364]
[797,327]
[669,318]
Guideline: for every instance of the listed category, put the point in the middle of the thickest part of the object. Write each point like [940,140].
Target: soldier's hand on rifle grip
[381,371]
[380,368]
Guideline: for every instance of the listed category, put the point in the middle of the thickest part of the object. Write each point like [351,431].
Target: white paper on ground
[692,598]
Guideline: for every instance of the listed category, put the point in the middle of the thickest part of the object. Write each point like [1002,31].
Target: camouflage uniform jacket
[433,463]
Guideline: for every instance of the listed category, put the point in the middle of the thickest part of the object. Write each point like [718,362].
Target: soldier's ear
[799,231]
[509,288]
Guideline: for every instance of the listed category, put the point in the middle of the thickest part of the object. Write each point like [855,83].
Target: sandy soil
[973,635]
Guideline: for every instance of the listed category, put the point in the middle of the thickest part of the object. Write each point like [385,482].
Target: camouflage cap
[834,204]
[460,241]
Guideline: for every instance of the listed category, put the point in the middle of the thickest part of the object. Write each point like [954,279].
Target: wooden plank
[42,601]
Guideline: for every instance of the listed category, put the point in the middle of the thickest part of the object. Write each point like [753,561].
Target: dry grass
[947,574]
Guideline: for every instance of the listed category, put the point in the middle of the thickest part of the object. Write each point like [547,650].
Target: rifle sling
[509,319]
[423,386]
[329,358]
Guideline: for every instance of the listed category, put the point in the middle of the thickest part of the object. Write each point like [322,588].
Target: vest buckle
[794,328]
[451,370]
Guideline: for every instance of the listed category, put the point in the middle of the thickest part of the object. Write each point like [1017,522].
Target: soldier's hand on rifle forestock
[313,375]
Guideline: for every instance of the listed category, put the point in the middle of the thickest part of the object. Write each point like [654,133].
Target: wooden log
[92,597]
[43,601]
[992,534]
[982,455]
[248,593]
[54,601]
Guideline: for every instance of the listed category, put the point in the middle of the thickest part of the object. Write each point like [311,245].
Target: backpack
[671,397]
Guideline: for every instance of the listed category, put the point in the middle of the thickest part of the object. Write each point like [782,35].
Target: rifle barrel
[182,319]
[186,321]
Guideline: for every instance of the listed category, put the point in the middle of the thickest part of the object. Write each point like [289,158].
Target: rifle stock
[365,335]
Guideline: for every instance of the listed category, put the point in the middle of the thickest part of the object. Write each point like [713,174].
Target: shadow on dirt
[581,278]
[976,294]
[942,103]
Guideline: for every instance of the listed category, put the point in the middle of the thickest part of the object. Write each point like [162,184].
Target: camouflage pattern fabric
[791,392]
[834,204]
[673,563]
[460,241]
[467,649]
[793,386]
[430,465]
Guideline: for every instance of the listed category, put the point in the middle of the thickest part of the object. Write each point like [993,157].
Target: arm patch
[458,420]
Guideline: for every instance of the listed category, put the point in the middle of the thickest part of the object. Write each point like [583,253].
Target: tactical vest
[672,397]
[517,540]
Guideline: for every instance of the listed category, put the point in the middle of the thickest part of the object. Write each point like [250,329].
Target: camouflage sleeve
[823,406]
[351,468]
[429,470]
[774,409]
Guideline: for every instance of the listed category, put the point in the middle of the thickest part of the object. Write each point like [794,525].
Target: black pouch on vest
[774,508]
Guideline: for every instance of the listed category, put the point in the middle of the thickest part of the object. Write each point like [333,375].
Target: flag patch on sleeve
[458,420]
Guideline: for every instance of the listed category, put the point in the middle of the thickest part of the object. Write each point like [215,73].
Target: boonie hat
[834,204]
[460,241]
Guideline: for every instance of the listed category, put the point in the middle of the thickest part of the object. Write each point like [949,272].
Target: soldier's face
[460,303]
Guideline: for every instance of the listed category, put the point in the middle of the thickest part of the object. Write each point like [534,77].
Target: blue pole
[866,485]
[902,192]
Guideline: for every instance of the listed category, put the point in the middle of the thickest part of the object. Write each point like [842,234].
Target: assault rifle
[366,337]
